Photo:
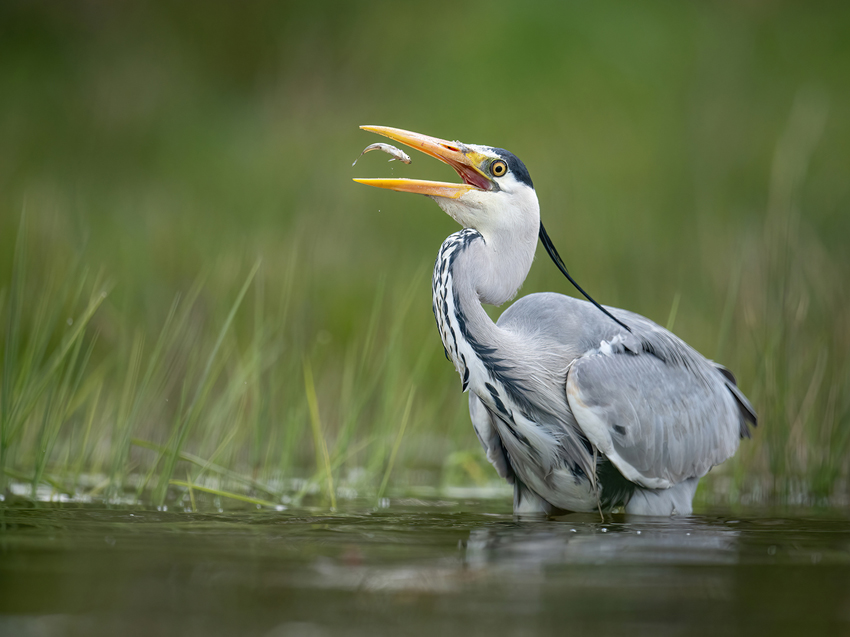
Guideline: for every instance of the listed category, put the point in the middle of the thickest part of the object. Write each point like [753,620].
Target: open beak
[468,163]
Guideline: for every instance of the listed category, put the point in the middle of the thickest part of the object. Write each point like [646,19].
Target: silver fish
[392,150]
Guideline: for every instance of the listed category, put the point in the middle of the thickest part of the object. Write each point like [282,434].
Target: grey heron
[578,406]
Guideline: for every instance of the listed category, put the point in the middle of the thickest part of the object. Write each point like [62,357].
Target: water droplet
[70,321]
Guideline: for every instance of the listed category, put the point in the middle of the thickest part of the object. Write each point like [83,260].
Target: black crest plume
[553,253]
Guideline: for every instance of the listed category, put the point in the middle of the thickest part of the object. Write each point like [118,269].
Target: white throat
[508,221]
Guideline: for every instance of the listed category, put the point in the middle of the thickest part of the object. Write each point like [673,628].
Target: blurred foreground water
[417,567]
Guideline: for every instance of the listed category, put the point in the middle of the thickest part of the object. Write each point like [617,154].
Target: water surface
[417,568]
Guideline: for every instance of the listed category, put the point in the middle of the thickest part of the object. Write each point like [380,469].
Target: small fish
[392,150]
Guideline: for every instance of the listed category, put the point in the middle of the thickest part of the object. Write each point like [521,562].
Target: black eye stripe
[515,166]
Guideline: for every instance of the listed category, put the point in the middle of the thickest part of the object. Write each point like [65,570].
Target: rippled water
[418,568]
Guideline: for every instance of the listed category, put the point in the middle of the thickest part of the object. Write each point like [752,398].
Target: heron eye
[498,168]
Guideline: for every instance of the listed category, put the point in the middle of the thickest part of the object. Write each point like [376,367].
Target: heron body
[578,408]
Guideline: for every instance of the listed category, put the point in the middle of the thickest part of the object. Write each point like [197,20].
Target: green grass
[193,292]
[135,415]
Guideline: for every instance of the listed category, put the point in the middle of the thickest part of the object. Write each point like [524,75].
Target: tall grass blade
[396,444]
[674,309]
[322,457]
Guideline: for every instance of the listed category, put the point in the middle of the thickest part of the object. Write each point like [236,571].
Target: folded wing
[659,421]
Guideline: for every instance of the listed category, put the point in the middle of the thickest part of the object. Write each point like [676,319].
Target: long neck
[512,374]
[516,375]
[469,270]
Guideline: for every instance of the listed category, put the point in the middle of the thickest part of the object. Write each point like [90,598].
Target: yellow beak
[467,162]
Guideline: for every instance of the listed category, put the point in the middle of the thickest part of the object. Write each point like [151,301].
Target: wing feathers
[658,422]
[489,438]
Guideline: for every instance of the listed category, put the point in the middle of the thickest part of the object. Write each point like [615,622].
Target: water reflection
[676,541]
[536,553]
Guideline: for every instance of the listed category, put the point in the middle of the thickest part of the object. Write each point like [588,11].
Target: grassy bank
[193,292]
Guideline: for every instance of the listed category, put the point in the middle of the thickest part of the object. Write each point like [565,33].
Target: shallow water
[417,568]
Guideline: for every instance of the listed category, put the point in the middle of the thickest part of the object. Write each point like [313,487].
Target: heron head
[496,198]
[496,193]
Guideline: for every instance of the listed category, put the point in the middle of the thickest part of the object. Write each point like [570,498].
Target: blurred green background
[691,160]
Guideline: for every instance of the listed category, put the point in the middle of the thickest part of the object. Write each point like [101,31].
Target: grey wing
[658,422]
[485,429]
